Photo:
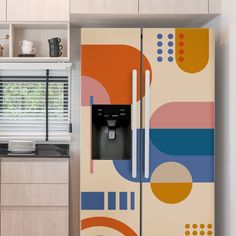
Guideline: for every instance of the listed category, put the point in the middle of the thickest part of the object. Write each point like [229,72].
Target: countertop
[42,151]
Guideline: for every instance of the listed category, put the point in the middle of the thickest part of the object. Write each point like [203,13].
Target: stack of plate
[20,146]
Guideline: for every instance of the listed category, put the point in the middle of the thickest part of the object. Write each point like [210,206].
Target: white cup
[26,43]
[28,50]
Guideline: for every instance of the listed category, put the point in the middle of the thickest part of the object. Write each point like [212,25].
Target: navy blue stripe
[91,100]
[123,201]
[111,201]
[132,200]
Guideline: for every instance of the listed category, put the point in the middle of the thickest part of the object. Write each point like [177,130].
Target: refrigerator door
[178,119]
[110,89]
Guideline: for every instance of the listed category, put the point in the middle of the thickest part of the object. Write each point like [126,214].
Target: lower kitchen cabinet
[34,196]
[34,221]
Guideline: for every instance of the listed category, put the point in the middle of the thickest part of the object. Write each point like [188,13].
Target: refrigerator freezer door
[110,189]
[178,189]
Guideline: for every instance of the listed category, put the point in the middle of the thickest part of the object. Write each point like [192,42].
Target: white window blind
[35,106]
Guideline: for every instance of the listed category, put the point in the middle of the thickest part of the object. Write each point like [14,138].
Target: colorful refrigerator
[147,132]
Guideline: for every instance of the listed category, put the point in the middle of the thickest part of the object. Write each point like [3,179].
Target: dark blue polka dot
[170,36]
[170,51]
[170,44]
[159,36]
[159,44]
[159,59]
[159,51]
[170,59]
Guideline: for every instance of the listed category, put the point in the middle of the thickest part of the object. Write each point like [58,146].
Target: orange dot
[209,232]
[181,36]
[181,51]
[181,59]
[194,226]
[187,226]
[202,233]
[194,232]
[181,43]
[209,226]
[187,233]
[202,226]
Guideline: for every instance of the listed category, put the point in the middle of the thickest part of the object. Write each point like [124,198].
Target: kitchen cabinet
[173,6]
[27,171]
[215,6]
[34,222]
[34,196]
[3,9]
[104,6]
[39,33]
[38,10]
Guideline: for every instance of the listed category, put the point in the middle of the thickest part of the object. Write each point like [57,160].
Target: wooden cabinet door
[173,6]
[104,6]
[214,6]
[38,10]
[3,10]
[34,221]
[36,171]
[34,194]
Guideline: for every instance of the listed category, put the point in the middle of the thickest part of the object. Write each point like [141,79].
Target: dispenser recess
[111,132]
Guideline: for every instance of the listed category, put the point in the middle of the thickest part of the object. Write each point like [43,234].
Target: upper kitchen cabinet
[37,10]
[215,6]
[104,6]
[173,6]
[3,10]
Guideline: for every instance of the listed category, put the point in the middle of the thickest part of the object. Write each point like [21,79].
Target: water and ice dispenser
[111,132]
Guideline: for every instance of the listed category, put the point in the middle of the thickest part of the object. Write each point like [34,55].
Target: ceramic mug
[1,50]
[26,43]
[28,50]
[54,41]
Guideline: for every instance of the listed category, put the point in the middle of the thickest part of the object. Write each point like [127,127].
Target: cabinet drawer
[34,222]
[173,6]
[34,194]
[30,171]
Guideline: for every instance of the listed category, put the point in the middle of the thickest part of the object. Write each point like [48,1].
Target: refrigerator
[147,132]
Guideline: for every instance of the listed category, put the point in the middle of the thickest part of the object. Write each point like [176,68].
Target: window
[34,107]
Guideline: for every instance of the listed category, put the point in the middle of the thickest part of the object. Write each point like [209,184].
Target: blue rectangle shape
[132,200]
[92,200]
[123,201]
[111,201]
[91,100]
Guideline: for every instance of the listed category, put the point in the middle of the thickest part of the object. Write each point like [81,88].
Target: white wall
[225,27]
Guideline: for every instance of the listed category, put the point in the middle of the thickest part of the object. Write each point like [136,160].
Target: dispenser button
[112,134]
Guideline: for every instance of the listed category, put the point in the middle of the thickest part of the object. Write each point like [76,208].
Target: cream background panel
[102,231]
[197,208]
[104,179]
[169,82]
[120,36]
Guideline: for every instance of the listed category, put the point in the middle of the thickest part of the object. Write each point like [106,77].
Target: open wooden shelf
[39,34]
[4,42]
